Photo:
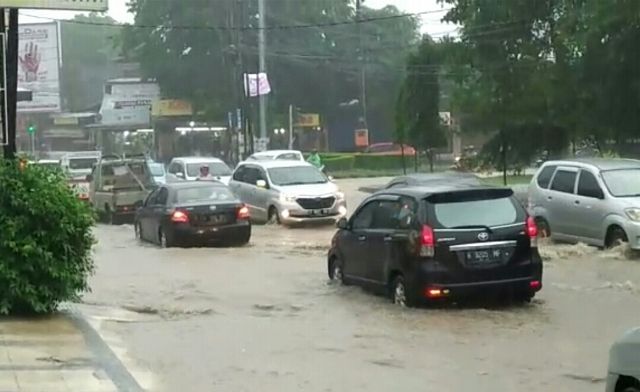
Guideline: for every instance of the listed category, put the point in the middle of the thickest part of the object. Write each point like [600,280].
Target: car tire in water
[163,240]
[544,231]
[274,216]
[615,236]
[336,270]
[138,231]
[400,294]
[631,389]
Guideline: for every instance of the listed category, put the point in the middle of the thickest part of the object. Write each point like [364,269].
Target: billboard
[80,5]
[128,102]
[38,67]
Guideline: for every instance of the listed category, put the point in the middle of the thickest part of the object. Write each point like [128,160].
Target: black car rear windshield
[203,193]
[466,210]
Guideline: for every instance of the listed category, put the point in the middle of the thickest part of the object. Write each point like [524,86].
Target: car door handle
[577,202]
[388,238]
[549,198]
[362,238]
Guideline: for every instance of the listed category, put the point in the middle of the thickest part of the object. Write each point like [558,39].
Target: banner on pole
[256,84]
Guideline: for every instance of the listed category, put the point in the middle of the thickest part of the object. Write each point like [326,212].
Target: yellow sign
[80,5]
[171,108]
[65,120]
[308,120]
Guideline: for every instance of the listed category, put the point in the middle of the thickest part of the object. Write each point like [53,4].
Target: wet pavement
[264,317]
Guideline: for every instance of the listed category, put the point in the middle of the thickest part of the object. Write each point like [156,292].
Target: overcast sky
[430,22]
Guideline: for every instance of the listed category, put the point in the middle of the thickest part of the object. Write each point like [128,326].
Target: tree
[89,52]
[418,104]
[192,50]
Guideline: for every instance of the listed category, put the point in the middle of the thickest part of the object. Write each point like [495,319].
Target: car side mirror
[342,224]
[261,184]
[89,178]
[180,175]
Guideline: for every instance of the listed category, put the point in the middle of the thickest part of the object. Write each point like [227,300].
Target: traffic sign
[79,5]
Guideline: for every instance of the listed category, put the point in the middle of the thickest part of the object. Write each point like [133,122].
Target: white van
[78,165]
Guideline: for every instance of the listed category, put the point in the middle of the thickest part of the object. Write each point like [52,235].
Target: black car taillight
[243,213]
[427,242]
[179,216]
[532,231]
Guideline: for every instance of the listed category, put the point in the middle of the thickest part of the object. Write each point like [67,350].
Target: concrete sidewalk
[60,353]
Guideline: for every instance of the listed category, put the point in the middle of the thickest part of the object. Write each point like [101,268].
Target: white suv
[188,168]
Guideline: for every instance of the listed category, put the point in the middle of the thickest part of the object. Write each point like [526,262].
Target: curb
[105,357]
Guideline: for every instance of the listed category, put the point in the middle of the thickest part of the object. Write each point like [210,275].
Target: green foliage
[45,241]
[566,65]
[418,104]
[339,163]
[315,69]
[380,162]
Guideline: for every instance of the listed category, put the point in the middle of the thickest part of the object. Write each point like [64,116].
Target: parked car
[283,155]
[202,212]
[420,244]
[425,179]
[118,186]
[624,363]
[158,172]
[390,149]
[188,168]
[287,192]
[594,201]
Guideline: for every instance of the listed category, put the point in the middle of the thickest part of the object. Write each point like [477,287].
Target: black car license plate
[485,256]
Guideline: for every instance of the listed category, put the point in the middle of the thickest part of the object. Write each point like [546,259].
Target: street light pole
[290,127]
[363,71]
[262,43]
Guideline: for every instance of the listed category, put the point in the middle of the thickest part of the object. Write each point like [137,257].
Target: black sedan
[193,213]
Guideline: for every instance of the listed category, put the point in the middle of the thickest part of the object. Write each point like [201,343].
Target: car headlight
[340,195]
[287,198]
[633,214]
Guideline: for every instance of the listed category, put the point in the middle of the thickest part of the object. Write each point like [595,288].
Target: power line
[245,28]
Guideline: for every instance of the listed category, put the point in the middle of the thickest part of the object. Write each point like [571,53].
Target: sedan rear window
[209,193]
[468,213]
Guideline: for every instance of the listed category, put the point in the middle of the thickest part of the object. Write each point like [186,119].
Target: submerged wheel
[274,217]
[336,270]
[543,228]
[164,241]
[615,237]
[138,231]
[400,295]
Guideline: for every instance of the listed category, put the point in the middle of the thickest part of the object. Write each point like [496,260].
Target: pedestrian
[315,159]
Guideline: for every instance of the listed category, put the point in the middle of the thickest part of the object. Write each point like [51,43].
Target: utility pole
[290,127]
[9,25]
[363,71]
[262,43]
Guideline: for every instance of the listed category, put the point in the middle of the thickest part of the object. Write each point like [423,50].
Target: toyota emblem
[483,236]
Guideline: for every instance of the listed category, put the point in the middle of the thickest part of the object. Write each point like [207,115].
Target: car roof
[423,191]
[598,163]
[276,152]
[275,164]
[197,159]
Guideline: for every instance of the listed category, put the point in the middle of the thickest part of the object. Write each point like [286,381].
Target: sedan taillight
[179,216]
[243,213]
[532,230]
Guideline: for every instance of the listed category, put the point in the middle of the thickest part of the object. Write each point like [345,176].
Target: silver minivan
[594,201]
[287,192]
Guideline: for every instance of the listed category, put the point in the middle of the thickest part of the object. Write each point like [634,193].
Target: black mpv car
[443,241]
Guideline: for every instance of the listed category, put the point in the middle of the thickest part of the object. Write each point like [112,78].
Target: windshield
[622,183]
[216,169]
[157,169]
[82,163]
[210,193]
[491,212]
[297,175]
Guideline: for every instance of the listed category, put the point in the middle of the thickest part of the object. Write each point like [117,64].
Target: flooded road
[265,318]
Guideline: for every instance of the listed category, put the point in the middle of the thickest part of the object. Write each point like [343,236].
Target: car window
[163,196]
[215,169]
[622,182]
[289,157]
[251,175]
[209,193]
[296,175]
[544,178]
[157,169]
[473,211]
[394,215]
[239,174]
[588,185]
[175,167]
[364,218]
[151,199]
[564,181]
